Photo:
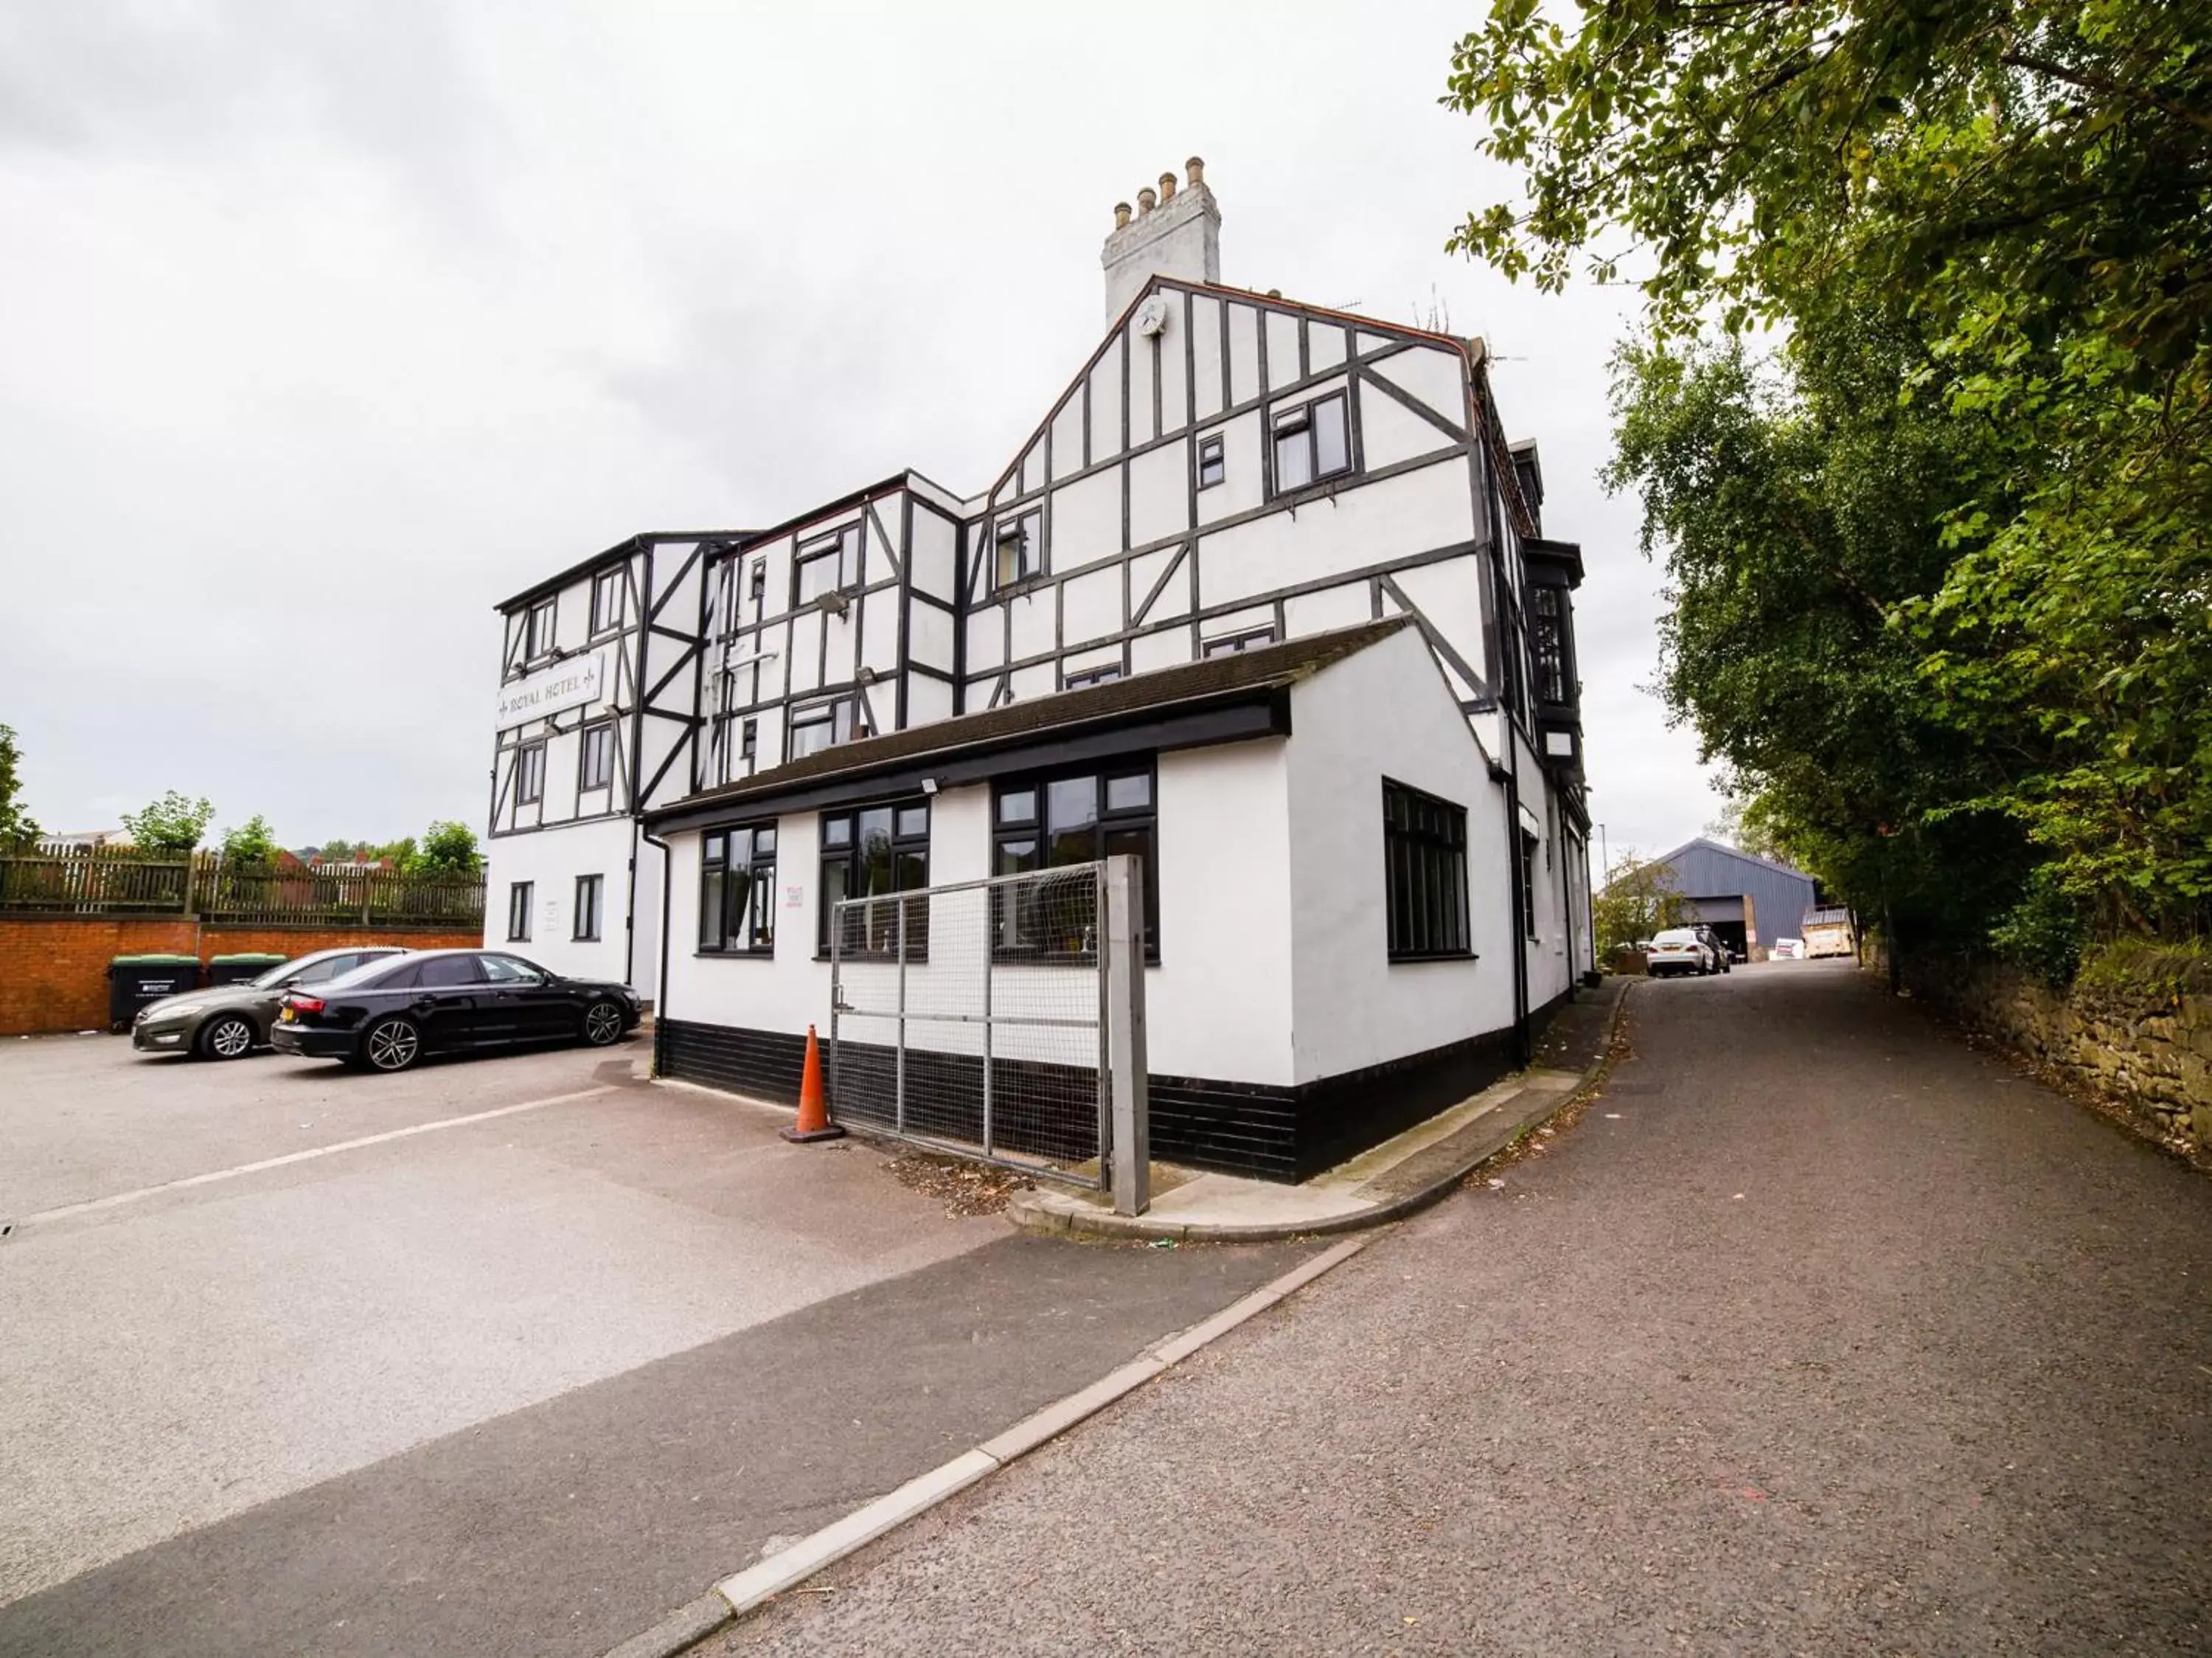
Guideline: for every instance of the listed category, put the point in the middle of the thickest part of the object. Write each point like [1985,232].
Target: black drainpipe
[660,981]
[1515,853]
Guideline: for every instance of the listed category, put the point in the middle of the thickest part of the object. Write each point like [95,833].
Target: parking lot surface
[504,1355]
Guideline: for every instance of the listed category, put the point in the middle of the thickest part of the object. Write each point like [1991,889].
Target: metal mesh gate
[973,1018]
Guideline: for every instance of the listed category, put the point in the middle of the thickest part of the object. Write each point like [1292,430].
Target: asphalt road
[1819,1333]
[503,1356]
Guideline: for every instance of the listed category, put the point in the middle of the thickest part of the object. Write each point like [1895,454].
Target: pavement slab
[1819,1333]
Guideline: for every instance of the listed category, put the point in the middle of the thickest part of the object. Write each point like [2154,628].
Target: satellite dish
[1153,315]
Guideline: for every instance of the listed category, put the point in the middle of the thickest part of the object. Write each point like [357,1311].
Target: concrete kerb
[1511,1126]
[741,1592]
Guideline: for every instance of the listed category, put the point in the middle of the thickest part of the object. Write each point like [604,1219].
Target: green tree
[172,824]
[2009,198]
[16,825]
[250,845]
[449,848]
[1637,900]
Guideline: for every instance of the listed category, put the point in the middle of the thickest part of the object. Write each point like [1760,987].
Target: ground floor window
[871,853]
[737,891]
[590,889]
[518,911]
[1529,881]
[1424,866]
[1053,821]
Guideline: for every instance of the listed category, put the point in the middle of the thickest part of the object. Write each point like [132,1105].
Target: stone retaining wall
[2134,1027]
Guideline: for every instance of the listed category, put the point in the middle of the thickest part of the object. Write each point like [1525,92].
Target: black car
[386,1017]
[228,1021]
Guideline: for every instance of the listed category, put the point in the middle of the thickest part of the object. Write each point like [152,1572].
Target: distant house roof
[1064,718]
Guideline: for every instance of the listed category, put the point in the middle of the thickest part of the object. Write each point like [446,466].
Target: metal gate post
[990,942]
[1123,940]
[836,1004]
[898,1083]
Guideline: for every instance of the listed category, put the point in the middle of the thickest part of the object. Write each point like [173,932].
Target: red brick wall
[53,969]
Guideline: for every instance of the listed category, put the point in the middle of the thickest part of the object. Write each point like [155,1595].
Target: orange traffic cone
[813,1122]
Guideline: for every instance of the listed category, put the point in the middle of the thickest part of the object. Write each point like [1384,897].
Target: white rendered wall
[1217,1006]
[551,860]
[1386,712]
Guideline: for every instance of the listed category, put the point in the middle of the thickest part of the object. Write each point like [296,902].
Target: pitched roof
[1210,680]
[1706,843]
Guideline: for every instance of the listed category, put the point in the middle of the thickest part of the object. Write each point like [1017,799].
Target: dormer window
[1312,442]
[1018,550]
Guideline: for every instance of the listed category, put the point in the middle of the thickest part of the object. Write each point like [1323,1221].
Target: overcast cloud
[323,328]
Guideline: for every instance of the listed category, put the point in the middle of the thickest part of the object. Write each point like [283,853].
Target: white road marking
[117,1199]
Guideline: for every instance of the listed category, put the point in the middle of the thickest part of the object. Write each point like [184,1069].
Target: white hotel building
[1264,598]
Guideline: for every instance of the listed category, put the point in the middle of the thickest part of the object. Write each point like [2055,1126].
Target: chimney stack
[1176,232]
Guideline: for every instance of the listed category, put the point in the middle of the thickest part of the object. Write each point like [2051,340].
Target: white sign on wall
[794,895]
[577,683]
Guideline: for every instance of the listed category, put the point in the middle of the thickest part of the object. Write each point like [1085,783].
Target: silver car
[229,1022]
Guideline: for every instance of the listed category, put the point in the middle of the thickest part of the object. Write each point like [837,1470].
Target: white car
[1786,949]
[1680,950]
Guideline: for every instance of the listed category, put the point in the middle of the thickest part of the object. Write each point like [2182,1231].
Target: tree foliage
[1943,585]
[449,848]
[174,823]
[1637,899]
[16,825]
[251,844]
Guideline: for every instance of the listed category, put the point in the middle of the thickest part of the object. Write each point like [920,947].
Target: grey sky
[322,329]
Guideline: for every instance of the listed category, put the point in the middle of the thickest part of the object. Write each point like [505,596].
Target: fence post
[990,947]
[1124,937]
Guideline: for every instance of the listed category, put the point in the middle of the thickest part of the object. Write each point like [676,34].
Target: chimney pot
[1167,186]
[1145,201]
[1196,169]
[1121,215]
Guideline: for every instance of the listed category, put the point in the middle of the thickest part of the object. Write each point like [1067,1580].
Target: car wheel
[392,1044]
[227,1036]
[603,1024]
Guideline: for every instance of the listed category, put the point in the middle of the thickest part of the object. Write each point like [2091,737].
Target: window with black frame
[1018,549]
[1312,442]
[590,891]
[1547,643]
[737,891]
[1424,865]
[606,602]
[875,852]
[538,628]
[1528,883]
[530,774]
[823,726]
[596,763]
[1052,822]
[831,565]
[519,898]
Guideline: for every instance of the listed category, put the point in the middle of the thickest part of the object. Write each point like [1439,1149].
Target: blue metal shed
[1750,901]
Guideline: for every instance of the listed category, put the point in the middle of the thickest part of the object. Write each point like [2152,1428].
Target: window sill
[1435,956]
[734,955]
[1314,491]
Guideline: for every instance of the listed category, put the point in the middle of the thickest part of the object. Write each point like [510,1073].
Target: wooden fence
[118,881]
